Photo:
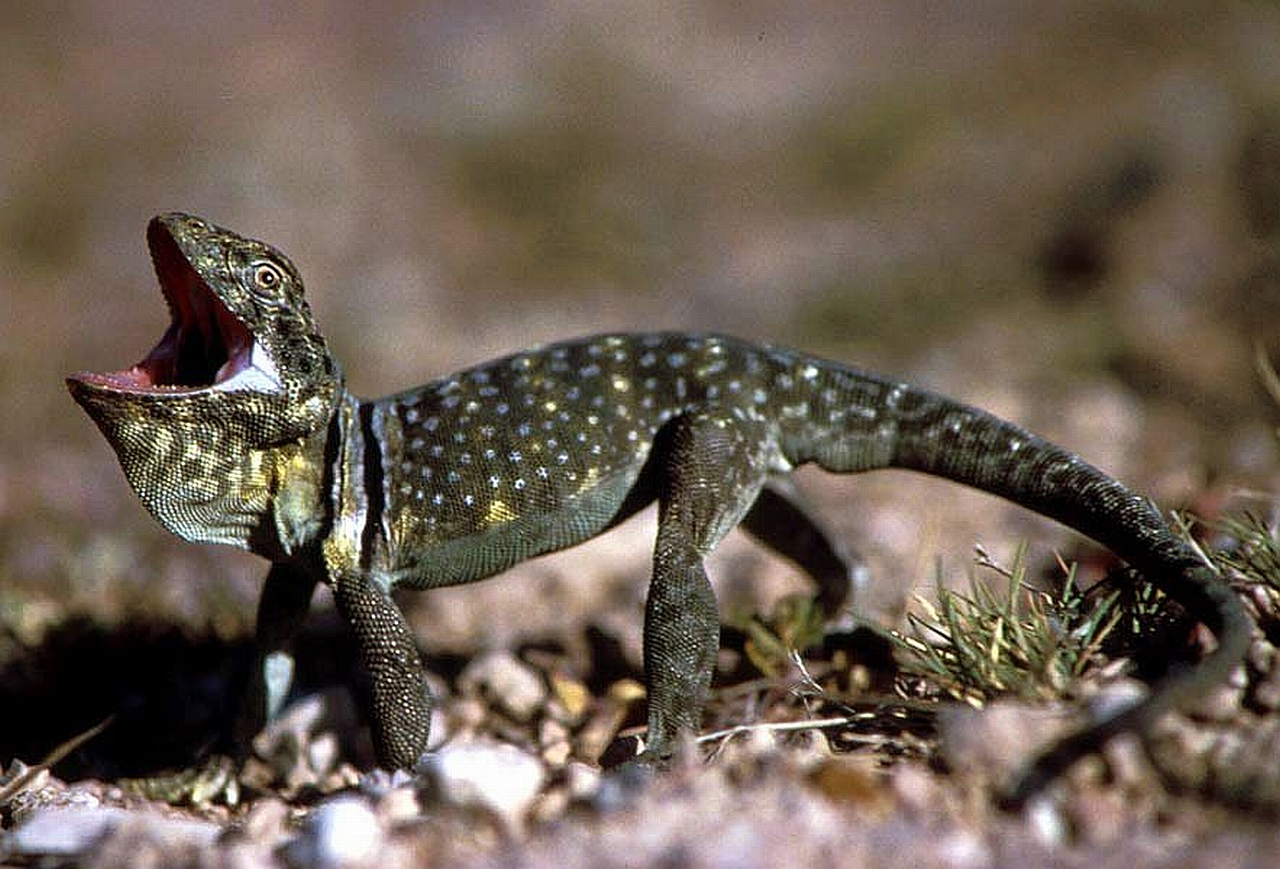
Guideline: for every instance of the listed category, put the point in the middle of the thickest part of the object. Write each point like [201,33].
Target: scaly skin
[238,429]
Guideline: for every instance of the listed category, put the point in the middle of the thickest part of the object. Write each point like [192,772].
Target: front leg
[401,700]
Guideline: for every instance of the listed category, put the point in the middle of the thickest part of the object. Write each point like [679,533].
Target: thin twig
[1184,525]
[777,726]
[10,789]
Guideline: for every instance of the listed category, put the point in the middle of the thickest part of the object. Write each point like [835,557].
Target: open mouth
[205,346]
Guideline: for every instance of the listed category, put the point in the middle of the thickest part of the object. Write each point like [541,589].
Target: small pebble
[1261,656]
[1266,693]
[554,739]
[583,780]
[399,805]
[1115,697]
[1127,759]
[266,820]
[573,697]
[497,777]
[550,806]
[342,832]
[508,683]
[1046,821]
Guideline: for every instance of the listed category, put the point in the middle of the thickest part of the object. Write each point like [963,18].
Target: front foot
[216,781]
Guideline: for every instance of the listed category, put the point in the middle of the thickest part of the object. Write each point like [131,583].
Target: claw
[216,781]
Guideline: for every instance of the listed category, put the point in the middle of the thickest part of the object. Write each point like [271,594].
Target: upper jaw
[206,348]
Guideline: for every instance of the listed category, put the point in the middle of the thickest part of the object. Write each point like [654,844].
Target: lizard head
[241,376]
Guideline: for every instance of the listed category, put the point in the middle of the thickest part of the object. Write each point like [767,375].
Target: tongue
[238,359]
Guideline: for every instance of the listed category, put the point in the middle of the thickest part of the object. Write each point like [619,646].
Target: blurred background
[1066,213]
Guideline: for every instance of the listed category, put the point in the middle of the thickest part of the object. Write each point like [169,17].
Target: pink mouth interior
[203,346]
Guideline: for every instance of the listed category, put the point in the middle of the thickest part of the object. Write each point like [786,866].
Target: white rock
[494,776]
[342,832]
[583,780]
[62,832]
[1117,697]
[71,831]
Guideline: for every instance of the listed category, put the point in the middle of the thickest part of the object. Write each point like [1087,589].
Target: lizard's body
[238,429]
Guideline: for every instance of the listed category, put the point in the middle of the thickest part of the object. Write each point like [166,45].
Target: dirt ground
[1067,214]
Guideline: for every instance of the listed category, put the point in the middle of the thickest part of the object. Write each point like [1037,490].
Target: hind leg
[781,520]
[711,473]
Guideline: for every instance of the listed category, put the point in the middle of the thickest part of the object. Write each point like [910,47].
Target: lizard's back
[546,448]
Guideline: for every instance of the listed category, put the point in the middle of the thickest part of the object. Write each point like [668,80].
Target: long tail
[902,427]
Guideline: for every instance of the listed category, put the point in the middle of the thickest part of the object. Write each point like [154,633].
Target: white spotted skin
[545,448]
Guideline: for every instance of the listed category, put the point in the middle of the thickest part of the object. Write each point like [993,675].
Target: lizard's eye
[267,277]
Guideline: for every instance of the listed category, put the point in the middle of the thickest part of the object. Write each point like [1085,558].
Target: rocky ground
[1066,216]
[794,767]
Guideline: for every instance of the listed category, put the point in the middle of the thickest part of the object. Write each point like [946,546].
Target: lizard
[237,428]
